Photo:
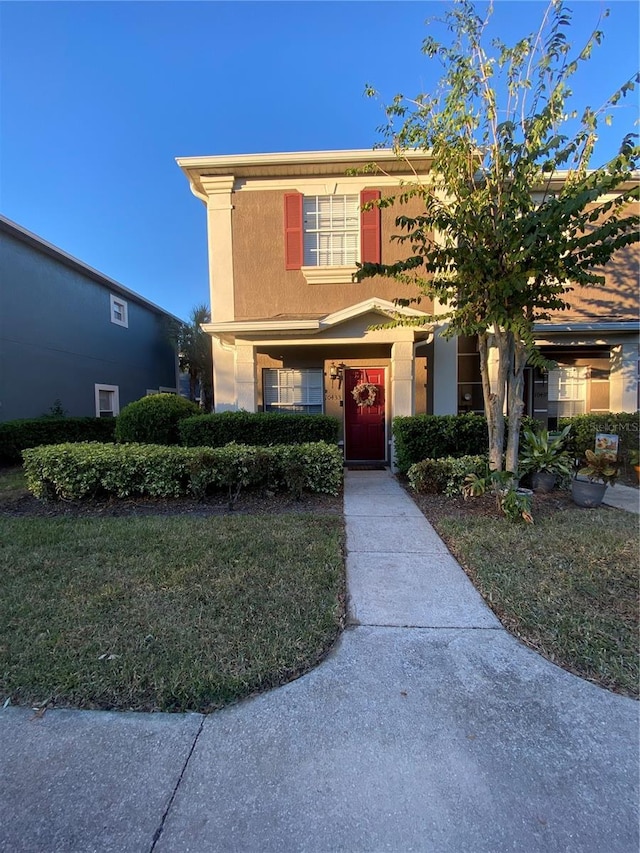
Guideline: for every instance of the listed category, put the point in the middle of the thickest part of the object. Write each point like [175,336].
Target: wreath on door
[364,394]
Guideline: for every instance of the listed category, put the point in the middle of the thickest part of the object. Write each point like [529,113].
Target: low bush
[584,428]
[445,476]
[16,436]
[257,428]
[419,437]
[154,419]
[76,471]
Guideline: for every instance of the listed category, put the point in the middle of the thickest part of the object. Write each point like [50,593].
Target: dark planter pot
[586,493]
[543,481]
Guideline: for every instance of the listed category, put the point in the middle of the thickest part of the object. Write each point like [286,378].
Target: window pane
[106,401]
[293,390]
[331,230]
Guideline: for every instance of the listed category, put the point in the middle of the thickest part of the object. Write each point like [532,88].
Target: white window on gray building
[107,401]
[119,311]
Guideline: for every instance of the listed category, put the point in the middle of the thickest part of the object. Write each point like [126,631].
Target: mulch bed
[435,507]
[249,503]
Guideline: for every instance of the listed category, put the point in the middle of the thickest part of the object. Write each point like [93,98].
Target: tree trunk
[494,397]
[515,403]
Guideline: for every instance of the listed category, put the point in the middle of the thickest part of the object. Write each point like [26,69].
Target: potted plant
[600,471]
[634,460]
[544,458]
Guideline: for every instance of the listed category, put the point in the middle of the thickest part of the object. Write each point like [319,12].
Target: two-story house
[70,335]
[292,331]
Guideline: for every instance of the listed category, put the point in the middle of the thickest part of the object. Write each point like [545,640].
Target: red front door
[364,425]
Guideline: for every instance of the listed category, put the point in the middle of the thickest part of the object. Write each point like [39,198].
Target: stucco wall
[262,286]
[57,339]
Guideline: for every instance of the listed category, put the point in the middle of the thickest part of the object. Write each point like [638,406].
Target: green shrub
[461,467]
[76,471]
[584,428]
[16,436]
[312,466]
[438,476]
[419,437]
[257,428]
[430,476]
[154,419]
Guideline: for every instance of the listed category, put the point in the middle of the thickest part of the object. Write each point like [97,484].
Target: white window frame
[293,392]
[568,390]
[339,227]
[115,390]
[118,305]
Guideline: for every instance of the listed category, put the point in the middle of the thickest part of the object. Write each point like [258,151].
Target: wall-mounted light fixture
[466,397]
[336,371]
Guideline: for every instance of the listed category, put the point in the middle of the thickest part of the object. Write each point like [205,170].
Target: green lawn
[12,482]
[164,612]
[567,586]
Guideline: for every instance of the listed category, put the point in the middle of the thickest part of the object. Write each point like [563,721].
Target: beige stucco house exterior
[292,331]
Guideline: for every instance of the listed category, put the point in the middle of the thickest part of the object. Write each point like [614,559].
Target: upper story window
[331,227]
[326,235]
[119,311]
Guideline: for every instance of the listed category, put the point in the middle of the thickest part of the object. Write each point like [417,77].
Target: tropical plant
[513,216]
[599,468]
[541,453]
[634,457]
[515,503]
[195,355]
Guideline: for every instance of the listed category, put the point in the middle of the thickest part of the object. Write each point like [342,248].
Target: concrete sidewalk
[428,728]
[623,497]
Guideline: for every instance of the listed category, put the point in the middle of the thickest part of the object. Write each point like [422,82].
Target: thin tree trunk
[493,398]
[515,403]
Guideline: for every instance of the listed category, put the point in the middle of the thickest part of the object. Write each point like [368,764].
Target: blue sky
[98,99]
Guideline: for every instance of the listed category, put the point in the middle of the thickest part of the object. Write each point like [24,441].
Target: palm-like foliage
[195,355]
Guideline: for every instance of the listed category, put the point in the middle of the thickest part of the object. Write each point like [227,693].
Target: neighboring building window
[107,401]
[119,312]
[331,230]
[567,391]
[293,391]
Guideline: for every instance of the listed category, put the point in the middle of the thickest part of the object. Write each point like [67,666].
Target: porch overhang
[348,325]
[581,333]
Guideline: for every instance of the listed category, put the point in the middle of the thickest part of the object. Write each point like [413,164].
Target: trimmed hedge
[445,476]
[257,428]
[16,436]
[76,471]
[154,419]
[419,437]
[584,428]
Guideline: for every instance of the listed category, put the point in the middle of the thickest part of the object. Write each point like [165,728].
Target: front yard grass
[169,613]
[567,586]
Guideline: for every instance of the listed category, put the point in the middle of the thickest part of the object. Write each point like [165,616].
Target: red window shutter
[370,229]
[293,245]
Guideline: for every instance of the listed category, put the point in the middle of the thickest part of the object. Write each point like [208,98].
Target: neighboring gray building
[69,333]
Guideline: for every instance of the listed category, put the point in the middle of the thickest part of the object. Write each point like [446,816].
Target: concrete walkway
[623,497]
[428,728]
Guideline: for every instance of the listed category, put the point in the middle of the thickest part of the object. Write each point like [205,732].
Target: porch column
[402,378]
[224,385]
[445,374]
[245,376]
[220,246]
[623,379]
